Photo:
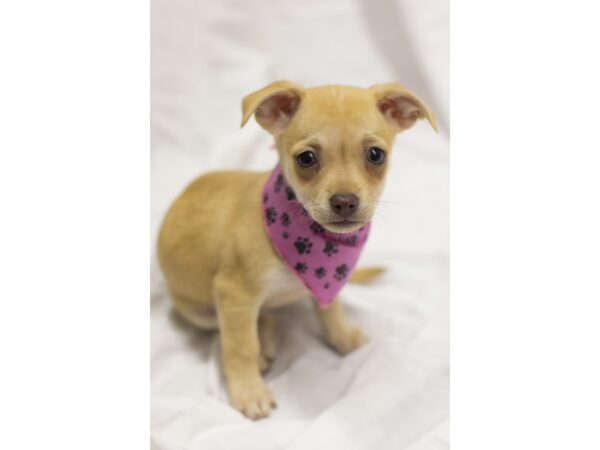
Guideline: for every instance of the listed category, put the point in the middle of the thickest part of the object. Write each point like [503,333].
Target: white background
[74,236]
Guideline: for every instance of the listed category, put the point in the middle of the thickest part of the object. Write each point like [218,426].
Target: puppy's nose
[344,204]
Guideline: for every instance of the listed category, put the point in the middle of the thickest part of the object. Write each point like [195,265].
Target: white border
[74,175]
[525,161]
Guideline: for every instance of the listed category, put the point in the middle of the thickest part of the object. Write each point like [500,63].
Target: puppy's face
[334,143]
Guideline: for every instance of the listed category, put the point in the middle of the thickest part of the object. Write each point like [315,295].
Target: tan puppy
[219,264]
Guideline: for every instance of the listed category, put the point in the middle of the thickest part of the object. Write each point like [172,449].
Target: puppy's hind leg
[198,314]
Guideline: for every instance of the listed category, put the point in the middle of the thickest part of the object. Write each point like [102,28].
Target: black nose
[344,204]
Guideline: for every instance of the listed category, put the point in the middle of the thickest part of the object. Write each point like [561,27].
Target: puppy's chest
[282,287]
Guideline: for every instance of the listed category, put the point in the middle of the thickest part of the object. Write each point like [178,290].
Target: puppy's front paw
[347,339]
[253,400]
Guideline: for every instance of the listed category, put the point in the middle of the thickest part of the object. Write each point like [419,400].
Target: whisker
[388,202]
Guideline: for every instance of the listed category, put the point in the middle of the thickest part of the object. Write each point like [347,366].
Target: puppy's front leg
[341,335]
[240,349]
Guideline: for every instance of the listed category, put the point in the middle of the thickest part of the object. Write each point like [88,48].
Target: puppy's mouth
[336,223]
[343,225]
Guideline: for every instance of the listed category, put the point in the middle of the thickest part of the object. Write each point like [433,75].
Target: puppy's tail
[366,274]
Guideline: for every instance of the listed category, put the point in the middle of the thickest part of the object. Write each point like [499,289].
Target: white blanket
[392,393]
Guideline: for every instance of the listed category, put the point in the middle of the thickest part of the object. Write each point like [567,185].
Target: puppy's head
[334,143]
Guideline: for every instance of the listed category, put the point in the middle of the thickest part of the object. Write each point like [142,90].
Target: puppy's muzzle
[344,204]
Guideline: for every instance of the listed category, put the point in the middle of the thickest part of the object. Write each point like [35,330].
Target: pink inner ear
[404,112]
[277,110]
[384,106]
[287,104]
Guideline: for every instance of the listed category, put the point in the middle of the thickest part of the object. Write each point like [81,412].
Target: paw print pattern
[341,272]
[271,215]
[303,245]
[316,228]
[279,183]
[323,260]
[301,267]
[290,193]
[320,272]
[330,248]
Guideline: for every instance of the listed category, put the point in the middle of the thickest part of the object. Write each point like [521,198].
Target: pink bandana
[323,260]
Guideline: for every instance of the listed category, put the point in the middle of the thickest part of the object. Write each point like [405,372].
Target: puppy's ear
[400,106]
[274,105]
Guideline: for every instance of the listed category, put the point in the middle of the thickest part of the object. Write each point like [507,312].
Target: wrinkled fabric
[393,392]
[321,259]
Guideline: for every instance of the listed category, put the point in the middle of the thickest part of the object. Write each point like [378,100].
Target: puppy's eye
[306,159]
[376,156]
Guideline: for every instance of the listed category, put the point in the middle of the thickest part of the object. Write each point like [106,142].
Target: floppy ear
[274,105]
[400,106]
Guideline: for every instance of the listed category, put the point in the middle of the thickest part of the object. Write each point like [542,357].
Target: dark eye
[306,159]
[375,155]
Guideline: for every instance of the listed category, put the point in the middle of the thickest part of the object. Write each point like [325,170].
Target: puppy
[221,260]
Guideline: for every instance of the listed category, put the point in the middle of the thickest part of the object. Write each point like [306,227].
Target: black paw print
[341,272]
[320,272]
[285,219]
[316,227]
[279,183]
[301,267]
[290,193]
[271,215]
[285,235]
[330,248]
[265,198]
[326,285]
[303,245]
